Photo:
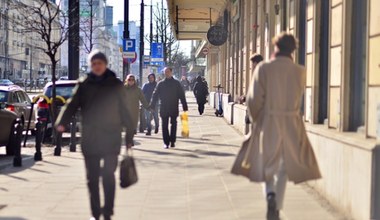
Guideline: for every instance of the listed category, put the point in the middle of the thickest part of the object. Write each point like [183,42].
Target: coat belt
[283,113]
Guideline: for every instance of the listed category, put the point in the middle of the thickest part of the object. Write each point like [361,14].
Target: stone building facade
[339,44]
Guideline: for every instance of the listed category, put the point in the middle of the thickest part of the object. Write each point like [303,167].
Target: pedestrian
[201,93]
[169,91]
[134,96]
[255,60]
[185,83]
[148,90]
[101,100]
[277,149]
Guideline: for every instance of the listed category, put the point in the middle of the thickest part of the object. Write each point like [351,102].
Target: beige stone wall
[373,67]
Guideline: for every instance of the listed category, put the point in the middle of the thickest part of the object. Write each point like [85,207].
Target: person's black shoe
[107,217]
[156,130]
[172,145]
[272,212]
[148,133]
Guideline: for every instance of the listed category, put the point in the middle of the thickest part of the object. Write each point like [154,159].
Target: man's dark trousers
[94,171]
[169,137]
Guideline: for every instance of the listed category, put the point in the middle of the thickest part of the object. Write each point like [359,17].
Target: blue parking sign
[129,45]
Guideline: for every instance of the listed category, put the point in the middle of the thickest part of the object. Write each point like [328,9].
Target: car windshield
[3,96]
[65,90]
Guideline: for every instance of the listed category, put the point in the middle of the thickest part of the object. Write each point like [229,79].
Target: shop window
[323,62]
[358,65]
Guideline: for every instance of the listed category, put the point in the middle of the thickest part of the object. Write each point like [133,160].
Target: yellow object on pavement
[185,124]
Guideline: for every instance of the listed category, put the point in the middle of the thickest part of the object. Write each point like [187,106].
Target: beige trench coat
[274,101]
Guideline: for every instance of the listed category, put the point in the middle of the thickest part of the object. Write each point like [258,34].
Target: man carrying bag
[101,100]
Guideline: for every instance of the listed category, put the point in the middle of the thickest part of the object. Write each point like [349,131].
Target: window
[358,65]
[3,96]
[323,62]
[20,97]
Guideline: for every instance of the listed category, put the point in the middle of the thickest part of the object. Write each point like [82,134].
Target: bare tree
[164,34]
[91,28]
[87,25]
[46,22]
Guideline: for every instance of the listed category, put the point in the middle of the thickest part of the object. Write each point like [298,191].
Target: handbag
[185,125]
[128,172]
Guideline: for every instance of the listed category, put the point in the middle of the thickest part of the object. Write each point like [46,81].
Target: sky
[134,15]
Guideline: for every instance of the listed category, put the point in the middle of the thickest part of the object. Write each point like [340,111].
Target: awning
[191,19]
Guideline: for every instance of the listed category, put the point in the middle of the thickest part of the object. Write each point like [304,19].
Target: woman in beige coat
[277,148]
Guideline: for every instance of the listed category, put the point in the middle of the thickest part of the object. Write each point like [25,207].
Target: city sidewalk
[191,181]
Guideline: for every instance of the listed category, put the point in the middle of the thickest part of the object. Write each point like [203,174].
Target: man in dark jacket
[101,99]
[169,91]
[201,93]
[148,89]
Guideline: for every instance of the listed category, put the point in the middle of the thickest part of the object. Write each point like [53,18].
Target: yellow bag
[185,124]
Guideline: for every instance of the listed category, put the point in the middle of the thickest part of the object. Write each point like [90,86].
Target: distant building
[19,57]
[108,17]
[104,38]
[134,33]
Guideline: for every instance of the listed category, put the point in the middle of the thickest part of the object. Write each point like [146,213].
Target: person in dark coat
[200,93]
[101,100]
[148,89]
[169,91]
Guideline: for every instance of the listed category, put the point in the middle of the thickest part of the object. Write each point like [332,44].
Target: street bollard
[17,160]
[39,137]
[58,147]
[73,138]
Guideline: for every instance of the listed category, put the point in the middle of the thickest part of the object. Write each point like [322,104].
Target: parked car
[16,100]
[8,122]
[64,88]
[63,78]
[6,82]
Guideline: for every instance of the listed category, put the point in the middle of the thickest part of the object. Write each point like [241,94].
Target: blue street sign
[157,52]
[129,45]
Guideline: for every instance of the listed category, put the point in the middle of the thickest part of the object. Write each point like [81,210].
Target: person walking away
[101,99]
[277,148]
[169,91]
[255,60]
[134,96]
[201,93]
[185,83]
[148,90]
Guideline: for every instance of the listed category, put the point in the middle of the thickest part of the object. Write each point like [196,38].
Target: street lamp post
[126,35]
[141,42]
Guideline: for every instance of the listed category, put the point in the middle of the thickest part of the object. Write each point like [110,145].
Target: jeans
[277,185]
[149,115]
[107,172]
[169,137]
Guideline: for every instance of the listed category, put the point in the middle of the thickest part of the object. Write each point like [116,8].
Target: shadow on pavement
[8,169]
[166,153]
[208,153]
[205,141]
[12,218]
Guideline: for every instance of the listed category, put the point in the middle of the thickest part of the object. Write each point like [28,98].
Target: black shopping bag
[128,172]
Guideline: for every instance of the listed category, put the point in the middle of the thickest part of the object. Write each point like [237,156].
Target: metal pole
[17,160]
[126,35]
[39,137]
[73,52]
[6,26]
[31,64]
[141,42]
[151,25]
